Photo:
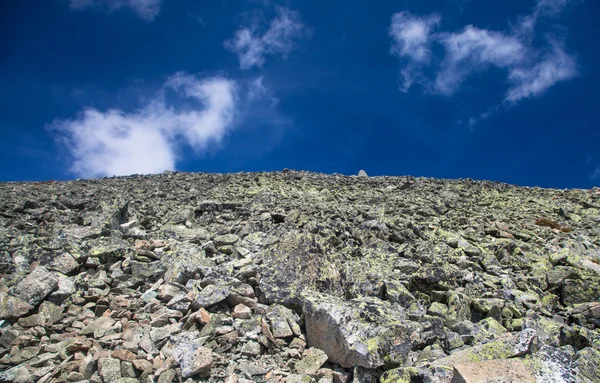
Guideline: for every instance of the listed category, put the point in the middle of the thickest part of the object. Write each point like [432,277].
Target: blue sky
[497,90]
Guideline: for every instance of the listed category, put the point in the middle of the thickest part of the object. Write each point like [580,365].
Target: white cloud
[528,82]
[115,142]
[411,35]
[145,9]
[530,70]
[411,42]
[472,50]
[252,45]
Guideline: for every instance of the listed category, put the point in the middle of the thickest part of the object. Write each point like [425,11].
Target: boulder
[498,370]
[364,332]
[36,286]
[13,307]
[193,358]
[507,346]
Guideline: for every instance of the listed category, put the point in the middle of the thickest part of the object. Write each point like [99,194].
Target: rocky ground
[298,277]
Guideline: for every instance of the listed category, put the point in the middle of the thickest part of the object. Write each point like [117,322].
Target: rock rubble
[298,277]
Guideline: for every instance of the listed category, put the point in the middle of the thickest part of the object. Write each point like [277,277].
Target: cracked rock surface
[297,277]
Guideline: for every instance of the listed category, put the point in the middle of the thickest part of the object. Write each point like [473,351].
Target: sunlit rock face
[297,277]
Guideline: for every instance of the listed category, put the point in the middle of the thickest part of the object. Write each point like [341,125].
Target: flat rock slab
[509,346]
[496,371]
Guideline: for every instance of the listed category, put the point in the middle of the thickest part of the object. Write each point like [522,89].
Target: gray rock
[109,369]
[362,173]
[508,346]
[192,358]
[18,374]
[212,294]
[587,365]
[251,348]
[364,332]
[51,312]
[499,370]
[226,239]
[66,288]
[311,362]
[63,263]
[13,307]
[36,286]
[102,324]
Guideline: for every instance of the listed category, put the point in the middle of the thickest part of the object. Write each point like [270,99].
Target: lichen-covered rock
[193,358]
[364,332]
[311,361]
[212,294]
[295,264]
[509,346]
[13,307]
[587,365]
[36,286]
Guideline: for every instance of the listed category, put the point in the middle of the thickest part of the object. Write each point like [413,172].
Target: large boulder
[364,332]
[36,286]
[508,346]
[295,264]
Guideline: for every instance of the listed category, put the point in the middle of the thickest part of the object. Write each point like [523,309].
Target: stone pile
[298,277]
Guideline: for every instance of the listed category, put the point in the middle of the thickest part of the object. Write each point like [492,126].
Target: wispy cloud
[554,66]
[145,9]
[595,174]
[530,70]
[411,39]
[473,50]
[252,43]
[115,142]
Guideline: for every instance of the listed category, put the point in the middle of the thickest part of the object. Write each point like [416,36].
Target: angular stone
[297,263]
[142,365]
[588,365]
[109,369]
[396,293]
[124,355]
[226,239]
[251,348]
[103,323]
[87,366]
[65,289]
[192,358]
[498,370]
[401,375]
[284,322]
[36,286]
[553,364]
[63,263]
[241,311]
[32,321]
[508,346]
[311,362]
[18,374]
[167,376]
[212,294]
[52,313]
[13,307]
[364,332]
[8,337]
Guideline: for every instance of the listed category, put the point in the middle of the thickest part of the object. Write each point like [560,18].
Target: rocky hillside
[298,277]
